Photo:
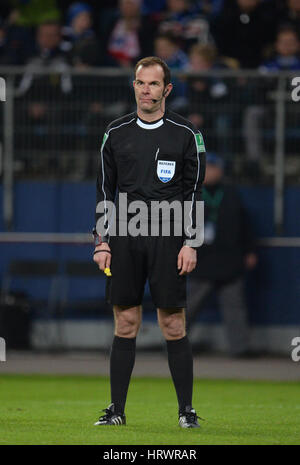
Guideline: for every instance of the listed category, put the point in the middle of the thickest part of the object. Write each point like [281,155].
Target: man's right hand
[102,259]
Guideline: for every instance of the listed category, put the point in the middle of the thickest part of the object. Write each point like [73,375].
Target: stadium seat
[81,273]
[44,276]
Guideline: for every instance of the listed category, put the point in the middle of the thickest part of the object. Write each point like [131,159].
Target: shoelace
[107,415]
[192,417]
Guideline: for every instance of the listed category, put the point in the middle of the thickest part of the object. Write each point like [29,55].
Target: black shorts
[134,259]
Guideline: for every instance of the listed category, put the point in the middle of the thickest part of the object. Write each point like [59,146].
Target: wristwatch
[97,238]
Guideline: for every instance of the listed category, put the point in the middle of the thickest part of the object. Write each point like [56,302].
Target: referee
[150,155]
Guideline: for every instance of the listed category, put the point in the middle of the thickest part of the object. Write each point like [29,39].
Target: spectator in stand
[79,37]
[287,49]
[48,54]
[207,96]
[15,43]
[42,98]
[183,21]
[227,253]
[244,29]
[131,37]
[290,14]
[286,58]
[166,48]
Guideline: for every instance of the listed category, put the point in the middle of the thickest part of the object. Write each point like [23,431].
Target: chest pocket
[127,170]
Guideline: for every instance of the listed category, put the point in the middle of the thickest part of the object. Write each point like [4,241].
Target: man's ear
[168,90]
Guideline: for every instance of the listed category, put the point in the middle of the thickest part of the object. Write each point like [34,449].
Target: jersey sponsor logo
[165,170]
[199,142]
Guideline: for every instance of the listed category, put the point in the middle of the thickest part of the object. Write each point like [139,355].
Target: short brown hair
[152,61]
[207,51]
[288,29]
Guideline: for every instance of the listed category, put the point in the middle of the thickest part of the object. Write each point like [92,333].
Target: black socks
[181,367]
[122,359]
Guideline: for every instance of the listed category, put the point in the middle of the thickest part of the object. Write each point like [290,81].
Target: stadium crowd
[119,32]
[190,35]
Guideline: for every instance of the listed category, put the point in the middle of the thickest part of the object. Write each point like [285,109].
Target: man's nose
[146,89]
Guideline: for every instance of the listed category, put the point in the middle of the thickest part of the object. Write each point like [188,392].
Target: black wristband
[97,251]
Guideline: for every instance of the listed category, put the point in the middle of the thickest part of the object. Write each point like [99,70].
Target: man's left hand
[187,260]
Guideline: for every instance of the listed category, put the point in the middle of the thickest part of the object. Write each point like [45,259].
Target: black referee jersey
[161,160]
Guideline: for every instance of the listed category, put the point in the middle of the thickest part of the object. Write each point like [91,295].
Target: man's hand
[187,260]
[102,259]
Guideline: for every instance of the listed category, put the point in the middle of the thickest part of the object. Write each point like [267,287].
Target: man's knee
[127,321]
[172,324]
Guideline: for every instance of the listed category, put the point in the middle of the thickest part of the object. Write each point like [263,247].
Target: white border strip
[149,126]
[198,171]
[103,172]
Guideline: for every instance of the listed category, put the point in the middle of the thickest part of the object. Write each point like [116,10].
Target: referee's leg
[172,324]
[127,323]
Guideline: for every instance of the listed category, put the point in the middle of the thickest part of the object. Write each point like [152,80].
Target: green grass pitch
[48,409]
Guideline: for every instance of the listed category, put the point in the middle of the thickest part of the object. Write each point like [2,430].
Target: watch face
[97,237]
[97,240]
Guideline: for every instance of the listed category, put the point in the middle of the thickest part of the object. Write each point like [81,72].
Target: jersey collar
[147,125]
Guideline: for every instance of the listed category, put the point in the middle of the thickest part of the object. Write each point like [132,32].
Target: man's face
[177,6]
[48,36]
[199,62]
[82,22]
[294,5]
[287,44]
[248,5]
[148,85]
[164,48]
[130,8]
